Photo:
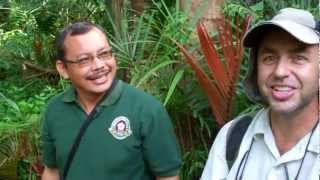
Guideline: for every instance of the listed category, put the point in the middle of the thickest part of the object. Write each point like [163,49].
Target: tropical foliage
[147,49]
[225,72]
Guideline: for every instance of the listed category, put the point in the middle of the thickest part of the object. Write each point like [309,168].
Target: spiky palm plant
[220,87]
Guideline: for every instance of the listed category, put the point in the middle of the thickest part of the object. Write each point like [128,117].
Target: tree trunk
[211,10]
[116,12]
[138,6]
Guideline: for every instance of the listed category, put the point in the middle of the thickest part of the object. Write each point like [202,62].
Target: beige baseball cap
[299,23]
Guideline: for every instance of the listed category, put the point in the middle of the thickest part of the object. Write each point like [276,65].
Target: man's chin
[283,108]
[102,88]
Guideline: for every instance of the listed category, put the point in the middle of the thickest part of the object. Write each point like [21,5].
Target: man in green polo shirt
[127,133]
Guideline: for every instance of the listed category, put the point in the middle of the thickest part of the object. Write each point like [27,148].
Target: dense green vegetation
[147,58]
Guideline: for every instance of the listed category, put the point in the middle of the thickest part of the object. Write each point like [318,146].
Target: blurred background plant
[19,131]
[143,34]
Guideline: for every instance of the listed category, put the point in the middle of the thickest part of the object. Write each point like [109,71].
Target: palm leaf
[217,68]
[221,88]
[152,71]
[210,89]
[173,85]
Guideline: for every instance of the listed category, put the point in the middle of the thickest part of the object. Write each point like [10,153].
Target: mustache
[96,74]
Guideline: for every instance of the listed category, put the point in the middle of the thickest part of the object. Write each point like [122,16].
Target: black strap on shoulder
[318,26]
[81,132]
[76,143]
[234,138]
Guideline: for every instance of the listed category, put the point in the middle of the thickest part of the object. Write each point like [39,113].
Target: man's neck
[89,101]
[288,129]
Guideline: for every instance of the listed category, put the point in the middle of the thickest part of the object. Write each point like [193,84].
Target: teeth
[282,88]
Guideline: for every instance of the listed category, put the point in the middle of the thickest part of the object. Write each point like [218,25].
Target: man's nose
[282,68]
[96,63]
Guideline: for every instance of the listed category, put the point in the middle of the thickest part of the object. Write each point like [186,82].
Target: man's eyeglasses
[88,60]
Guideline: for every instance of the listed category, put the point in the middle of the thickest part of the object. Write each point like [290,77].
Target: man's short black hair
[74,29]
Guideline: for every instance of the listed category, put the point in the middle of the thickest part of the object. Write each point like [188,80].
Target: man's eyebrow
[267,50]
[104,49]
[82,54]
[300,48]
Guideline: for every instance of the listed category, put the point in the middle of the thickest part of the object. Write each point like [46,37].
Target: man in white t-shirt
[283,140]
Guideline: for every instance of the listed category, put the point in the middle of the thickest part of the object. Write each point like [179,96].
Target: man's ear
[62,69]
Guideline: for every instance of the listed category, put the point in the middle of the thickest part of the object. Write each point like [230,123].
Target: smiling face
[287,73]
[91,79]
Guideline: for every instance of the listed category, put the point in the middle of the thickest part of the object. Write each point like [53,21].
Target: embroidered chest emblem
[120,128]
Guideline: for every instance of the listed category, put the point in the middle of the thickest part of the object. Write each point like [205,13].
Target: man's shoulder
[57,100]
[244,120]
[230,125]
[54,107]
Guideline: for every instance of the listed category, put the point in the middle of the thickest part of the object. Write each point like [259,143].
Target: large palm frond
[220,87]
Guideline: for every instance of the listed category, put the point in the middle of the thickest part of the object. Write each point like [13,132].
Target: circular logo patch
[120,128]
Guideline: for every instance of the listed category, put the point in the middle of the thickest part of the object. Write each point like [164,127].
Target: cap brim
[302,33]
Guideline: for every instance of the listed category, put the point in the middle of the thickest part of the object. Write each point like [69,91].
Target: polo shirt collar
[114,95]
[261,123]
[70,94]
[261,130]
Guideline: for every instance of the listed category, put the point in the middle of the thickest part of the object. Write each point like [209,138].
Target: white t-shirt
[264,161]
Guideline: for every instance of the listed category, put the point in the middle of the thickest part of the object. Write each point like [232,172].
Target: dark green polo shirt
[130,137]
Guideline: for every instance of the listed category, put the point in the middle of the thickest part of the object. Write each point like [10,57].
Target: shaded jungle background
[152,40]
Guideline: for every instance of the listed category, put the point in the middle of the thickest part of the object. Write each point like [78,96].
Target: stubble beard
[296,108]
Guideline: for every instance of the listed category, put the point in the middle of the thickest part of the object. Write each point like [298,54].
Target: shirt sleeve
[160,147]
[216,167]
[48,148]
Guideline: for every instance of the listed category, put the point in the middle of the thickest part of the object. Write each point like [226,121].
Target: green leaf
[173,85]
[258,7]
[10,103]
[153,70]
